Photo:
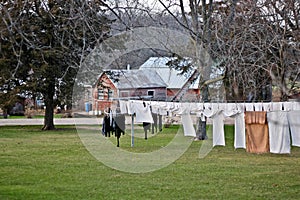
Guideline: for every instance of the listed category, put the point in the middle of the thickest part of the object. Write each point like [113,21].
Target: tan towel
[257,132]
[256,117]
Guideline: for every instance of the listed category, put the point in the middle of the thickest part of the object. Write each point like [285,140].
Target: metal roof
[170,76]
[127,79]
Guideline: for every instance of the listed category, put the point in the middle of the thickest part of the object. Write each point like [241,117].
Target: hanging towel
[241,107]
[142,112]
[296,105]
[155,107]
[257,135]
[186,120]
[230,110]
[287,106]
[249,106]
[279,134]
[294,123]
[218,129]
[130,107]
[239,124]
[187,124]
[212,111]
[123,107]
[239,131]
[267,107]
[276,106]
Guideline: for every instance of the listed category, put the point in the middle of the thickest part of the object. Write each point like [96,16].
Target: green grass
[55,165]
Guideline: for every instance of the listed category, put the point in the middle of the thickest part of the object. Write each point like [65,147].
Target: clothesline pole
[132,131]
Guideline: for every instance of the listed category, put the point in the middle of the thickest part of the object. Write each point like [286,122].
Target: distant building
[154,80]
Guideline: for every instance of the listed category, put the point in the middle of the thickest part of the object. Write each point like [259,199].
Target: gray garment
[294,122]
[279,134]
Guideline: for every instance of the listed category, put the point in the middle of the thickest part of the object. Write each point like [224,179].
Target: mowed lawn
[55,165]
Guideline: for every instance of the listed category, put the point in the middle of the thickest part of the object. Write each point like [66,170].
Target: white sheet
[239,131]
[276,106]
[296,105]
[142,113]
[294,122]
[218,129]
[123,106]
[187,124]
[249,106]
[287,106]
[267,107]
[258,106]
[279,134]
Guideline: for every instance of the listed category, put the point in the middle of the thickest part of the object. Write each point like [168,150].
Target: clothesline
[217,112]
[164,107]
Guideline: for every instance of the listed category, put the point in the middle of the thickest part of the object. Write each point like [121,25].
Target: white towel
[267,107]
[130,107]
[187,124]
[230,110]
[249,106]
[296,105]
[163,111]
[239,131]
[258,106]
[279,134]
[276,106]
[142,112]
[208,111]
[218,129]
[294,122]
[287,106]
[123,106]
[241,107]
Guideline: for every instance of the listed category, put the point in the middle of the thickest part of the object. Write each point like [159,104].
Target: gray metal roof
[170,76]
[145,78]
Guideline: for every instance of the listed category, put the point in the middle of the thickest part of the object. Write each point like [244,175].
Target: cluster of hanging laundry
[259,127]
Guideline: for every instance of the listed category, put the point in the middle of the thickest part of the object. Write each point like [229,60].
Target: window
[100,94]
[110,94]
[150,93]
[124,94]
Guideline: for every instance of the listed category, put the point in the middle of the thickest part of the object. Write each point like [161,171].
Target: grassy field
[56,165]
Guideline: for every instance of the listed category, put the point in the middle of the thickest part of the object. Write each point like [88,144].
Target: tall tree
[259,47]
[256,42]
[50,39]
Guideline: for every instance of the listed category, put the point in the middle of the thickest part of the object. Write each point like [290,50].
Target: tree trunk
[48,120]
[201,127]
[5,113]
[49,103]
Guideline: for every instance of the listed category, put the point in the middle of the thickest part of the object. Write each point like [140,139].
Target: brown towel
[256,117]
[257,132]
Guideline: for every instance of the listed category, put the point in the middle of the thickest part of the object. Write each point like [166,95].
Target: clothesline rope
[159,106]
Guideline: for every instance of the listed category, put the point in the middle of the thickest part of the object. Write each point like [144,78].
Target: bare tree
[259,48]
[255,42]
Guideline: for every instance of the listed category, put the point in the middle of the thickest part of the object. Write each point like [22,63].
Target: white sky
[155,5]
